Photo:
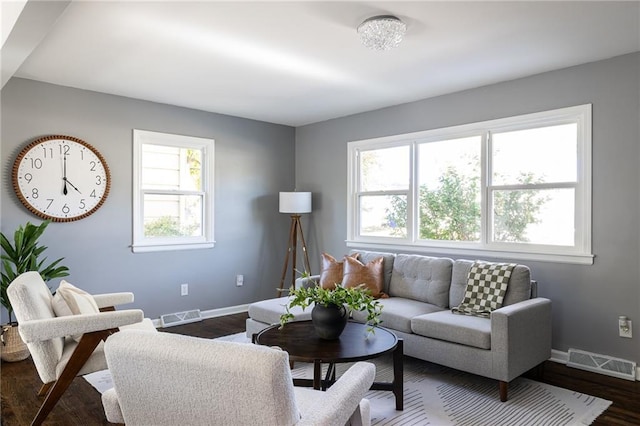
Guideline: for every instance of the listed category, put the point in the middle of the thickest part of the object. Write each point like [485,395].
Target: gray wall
[587,300]
[253,160]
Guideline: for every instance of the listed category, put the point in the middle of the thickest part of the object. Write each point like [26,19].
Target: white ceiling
[301,62]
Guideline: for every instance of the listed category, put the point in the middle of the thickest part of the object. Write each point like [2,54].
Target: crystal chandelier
[382,32]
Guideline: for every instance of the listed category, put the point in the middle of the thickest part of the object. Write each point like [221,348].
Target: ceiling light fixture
[382,32]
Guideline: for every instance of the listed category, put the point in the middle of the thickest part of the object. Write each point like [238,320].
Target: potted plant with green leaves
[23,254]
[332,307]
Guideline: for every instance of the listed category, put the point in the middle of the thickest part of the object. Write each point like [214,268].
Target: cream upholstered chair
[58,357]
[169,379]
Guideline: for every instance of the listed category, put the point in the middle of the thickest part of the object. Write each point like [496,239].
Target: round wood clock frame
[61,178]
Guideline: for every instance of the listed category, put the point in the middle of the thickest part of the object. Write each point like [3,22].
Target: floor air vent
[179,318]
[602,364]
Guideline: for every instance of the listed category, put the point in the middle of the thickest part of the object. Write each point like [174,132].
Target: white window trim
[578,254]
[140,243]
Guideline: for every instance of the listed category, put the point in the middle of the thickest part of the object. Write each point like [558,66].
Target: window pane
[385,169]
[546,154]
[449,191]
[534,216]
[171,168]
[383,216]
[172,215]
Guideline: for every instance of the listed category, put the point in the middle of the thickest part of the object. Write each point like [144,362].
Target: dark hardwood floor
[81,406]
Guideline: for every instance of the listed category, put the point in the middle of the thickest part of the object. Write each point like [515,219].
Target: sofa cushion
[269,311]
[519,287]
[422,278]
[367,256]
[332,271]
[369,276]
[398,312]
[462,329]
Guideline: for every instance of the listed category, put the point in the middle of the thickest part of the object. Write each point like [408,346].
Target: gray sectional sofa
[422,290]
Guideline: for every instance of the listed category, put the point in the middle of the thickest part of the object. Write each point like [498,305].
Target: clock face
[61,178]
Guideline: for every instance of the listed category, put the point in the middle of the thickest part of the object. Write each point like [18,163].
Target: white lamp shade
[295,202]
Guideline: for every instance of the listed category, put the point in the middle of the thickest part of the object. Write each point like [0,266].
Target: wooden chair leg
[80,355]
[45,388]
[504,387]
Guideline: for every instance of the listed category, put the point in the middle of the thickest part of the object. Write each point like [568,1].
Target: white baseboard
[562,358]
[559,356]
[213,313]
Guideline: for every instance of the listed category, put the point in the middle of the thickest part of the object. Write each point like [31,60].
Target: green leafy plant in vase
[338,302]
[21,255]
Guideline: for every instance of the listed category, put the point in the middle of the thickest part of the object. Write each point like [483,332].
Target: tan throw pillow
[371,275]
[332,271]
[78,301]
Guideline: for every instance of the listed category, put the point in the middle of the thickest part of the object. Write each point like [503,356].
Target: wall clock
[61,178]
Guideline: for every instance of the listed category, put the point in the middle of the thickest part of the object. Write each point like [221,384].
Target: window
[172,192]
[517,187]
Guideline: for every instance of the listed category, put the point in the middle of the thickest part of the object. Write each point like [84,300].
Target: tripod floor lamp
[294,203]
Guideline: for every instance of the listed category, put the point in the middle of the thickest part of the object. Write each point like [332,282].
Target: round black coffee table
[301,342]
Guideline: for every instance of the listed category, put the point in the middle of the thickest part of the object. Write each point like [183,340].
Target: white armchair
[168,379]
[59,358]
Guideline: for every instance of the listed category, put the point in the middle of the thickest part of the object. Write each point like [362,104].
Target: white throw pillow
[79,301]
[60,307]
[70,300]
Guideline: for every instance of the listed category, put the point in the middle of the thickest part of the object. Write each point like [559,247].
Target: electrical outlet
[624,327]
[184,289]
[239,280]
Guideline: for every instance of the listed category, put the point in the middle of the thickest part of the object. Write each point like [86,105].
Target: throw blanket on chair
[486,287]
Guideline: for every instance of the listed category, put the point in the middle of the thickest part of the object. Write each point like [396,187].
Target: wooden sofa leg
[504,387]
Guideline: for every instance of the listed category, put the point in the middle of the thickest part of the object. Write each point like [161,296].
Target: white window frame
[207,146]
[579,253]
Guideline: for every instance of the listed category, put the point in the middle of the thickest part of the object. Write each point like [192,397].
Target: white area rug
[435,395]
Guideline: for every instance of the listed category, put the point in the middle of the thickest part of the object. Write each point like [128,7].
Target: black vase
[329,321]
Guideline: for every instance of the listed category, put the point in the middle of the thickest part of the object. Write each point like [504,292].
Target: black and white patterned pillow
[486,287]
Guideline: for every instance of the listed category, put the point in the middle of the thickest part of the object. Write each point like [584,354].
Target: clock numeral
[34,193]
[98,180]
[82,204]
[50,200]
[93,166]
[65,209]
[28,177]
[50,150]
[64,149]
[36,163]
[93,194]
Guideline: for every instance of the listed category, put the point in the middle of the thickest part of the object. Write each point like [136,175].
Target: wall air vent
[179,318]
[602,364]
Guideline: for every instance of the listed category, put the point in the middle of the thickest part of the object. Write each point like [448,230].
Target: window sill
[145,248]
[578,259]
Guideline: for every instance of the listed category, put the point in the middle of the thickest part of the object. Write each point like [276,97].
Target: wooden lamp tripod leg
[307,266]
[295,230]
[290,245]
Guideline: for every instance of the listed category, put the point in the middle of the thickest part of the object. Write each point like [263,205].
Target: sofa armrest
[520,337]
[112,299]
[307,282]
[111,406]
[70,325]
[338,403]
